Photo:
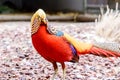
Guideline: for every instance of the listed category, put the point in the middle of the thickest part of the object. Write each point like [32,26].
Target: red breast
[51,47]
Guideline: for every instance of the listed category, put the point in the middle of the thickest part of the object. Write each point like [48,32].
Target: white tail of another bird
[108,28]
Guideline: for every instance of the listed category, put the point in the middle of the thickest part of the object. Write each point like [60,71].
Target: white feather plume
[108,25]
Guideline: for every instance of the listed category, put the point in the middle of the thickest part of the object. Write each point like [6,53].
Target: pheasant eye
[53,29]
[39,18]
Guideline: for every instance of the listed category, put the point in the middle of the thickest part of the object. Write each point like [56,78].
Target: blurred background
[20,61]
[75,9]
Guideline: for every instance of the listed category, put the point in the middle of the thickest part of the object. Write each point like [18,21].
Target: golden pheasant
[56,46]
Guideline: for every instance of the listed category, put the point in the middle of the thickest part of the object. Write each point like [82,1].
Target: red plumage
[51,47]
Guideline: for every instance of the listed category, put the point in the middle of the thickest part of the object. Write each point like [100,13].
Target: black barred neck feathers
[35,25]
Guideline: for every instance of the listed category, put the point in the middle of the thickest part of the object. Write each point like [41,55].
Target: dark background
[54,5]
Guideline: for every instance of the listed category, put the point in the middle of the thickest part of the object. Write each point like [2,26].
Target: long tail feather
[103,52]
[100,50]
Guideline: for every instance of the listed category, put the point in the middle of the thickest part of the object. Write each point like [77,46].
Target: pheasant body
[56,46]
[49,49]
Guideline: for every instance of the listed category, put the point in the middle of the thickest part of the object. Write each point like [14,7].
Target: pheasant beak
[45,21]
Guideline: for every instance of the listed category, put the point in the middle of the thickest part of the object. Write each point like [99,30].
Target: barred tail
[107,27]
[102,52]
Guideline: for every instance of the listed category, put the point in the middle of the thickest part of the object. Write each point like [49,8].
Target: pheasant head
[38,18]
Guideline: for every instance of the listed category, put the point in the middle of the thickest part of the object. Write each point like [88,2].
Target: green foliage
[6,9]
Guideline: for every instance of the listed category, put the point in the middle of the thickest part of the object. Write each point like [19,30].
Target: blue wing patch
[59,33]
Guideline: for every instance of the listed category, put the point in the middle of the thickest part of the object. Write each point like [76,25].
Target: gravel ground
[20,61]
